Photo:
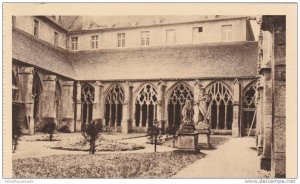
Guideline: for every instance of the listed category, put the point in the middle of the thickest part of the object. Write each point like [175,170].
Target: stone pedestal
[188,141]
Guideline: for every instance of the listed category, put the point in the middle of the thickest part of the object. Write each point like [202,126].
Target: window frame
[145,38]
[73,42]
[196,37]
[227,35]
[174,39]
[94,42]
[56,38]
[121,40]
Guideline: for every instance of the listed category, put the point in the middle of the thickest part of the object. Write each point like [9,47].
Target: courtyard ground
[235,159]
[230,158]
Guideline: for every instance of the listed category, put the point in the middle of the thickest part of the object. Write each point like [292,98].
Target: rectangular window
[74,43]
[55,38]
[198,34]
[94,41]
[170,36]
[121,40]
[36,28]
[226,33]
[145,38]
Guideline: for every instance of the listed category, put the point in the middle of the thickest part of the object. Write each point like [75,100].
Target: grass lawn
[126,165]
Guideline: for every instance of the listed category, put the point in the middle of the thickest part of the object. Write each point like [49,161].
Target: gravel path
[234,159]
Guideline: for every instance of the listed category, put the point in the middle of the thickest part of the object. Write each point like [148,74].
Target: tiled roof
[35,52]
[238,59]
[185,61]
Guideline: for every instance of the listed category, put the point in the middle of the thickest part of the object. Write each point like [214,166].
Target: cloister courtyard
[132,156]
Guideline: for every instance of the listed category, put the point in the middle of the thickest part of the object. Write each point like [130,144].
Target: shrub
[16,134]
[49,128]
[65,129]
[91,134]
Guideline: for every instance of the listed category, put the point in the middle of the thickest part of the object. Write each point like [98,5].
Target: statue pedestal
[188,141]
[204,134]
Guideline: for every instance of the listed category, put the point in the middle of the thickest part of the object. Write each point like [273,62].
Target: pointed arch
[37,85]
[177,96]
[249,106]
[87,100]
[221,108]
[114,100]
[146,105]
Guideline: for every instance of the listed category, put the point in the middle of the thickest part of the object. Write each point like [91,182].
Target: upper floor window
[74,43]
[226,33]
[197,34]
[36,28]
[55,38]
[121,40]
[170,36]
[145,38]
[94,41]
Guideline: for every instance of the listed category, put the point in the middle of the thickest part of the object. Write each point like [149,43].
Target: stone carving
[187,125]
[203,118]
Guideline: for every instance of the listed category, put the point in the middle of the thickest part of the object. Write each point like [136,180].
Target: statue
[187,125]
[187,112]
[203,119]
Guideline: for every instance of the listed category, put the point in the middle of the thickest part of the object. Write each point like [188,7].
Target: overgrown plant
[16,134]
[91,135]
[49,128]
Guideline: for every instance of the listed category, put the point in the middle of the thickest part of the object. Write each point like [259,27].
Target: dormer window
[55,42]
[121,40]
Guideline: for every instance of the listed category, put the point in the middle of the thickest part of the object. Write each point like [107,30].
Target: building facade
[72,70]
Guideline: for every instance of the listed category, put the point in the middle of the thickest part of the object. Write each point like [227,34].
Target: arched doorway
[177,98]
[221,106]
[87,100]
[114,106]
[249,109]
[37,89]
[146,106]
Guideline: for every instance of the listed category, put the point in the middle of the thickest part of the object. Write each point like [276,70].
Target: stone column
[161,106]
[236,124]
[127,113]
[278,164]
[196,101]
[78,108]
[47,100]
[259,119]
[267,119]
[97,105]
[67,105]
[25,92]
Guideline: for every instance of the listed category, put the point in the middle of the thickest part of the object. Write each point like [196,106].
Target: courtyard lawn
[126,165]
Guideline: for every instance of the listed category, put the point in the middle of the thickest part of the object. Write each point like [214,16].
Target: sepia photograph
[148,96]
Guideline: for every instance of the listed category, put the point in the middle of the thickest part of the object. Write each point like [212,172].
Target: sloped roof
[237,59]
[35,52]
[105,22]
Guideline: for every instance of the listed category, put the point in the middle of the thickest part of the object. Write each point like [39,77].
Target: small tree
[50,128]
[91,135]
[153,132]
[16,134]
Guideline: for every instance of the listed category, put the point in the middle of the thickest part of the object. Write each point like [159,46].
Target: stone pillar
[25,92]
[161,106]
[236,124]
[267,119]
[67,105]
[278,164]
[47,100]
[78,108]
[259,119]
[97,105]
[127,113]
[196,101]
